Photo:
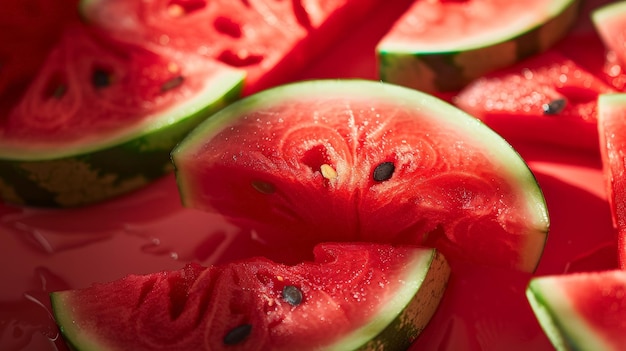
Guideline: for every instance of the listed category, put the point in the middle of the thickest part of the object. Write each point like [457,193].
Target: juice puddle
[483,309]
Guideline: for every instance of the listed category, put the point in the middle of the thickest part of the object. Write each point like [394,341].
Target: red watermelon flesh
[350,293]
[612,133]
[270,40]
[516,101]
[91,87]
[28,30]
[583,311]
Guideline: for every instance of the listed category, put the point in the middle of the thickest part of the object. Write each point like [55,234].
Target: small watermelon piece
[353,296]
[547,98]
[355,160]
[270,40]
[612,134]
[610,22]
[440,46]
[101,118]
[581,311]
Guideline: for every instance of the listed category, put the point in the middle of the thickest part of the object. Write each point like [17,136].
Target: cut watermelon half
[270,40]
[440,46]
[353,296]
[101,118]
[582,311]
[360,160]
[547,99]
[612,134]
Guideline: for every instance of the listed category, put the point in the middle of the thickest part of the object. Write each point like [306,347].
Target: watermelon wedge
[547,98]
[582,311]
[270,40]
[612,132]
[353,296]
[440,46]
[355,160]
[609,22]
[101,117]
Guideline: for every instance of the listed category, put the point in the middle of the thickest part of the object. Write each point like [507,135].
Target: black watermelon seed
[554,107]
[384,171]
[100,78]
[292,295]
[237,334]
[172,83]
[59,91]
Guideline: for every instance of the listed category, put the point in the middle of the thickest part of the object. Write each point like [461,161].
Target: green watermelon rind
[394,327]
[83,173]
[451,67]
[565,329]
[401,320]
[513,167]
[603,14]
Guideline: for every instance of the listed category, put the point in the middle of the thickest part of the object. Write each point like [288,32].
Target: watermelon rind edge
[408,312]
[451,67]
[608,11]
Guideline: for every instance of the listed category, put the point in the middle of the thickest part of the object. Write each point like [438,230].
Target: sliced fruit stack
[585,311]
[95,112]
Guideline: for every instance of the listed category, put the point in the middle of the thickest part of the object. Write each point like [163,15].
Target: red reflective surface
[148,231]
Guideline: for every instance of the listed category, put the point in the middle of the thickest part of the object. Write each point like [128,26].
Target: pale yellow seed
[279,278]
[172,67]
[328,171]
[175,10]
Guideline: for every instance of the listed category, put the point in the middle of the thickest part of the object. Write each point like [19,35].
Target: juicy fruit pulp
[583,311]
[612,132]
[71,141]
[374,297]
[365,161]
[443,45]
[547,98]
[269,40]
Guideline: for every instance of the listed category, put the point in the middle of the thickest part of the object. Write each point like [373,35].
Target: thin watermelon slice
[101,118]
[612,133]
[582,311]
[353,296]
[547,99]
[270,40]
[360,160]
[440,46]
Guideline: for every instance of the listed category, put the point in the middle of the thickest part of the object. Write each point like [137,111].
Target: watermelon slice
[612,130]
[443,45]
[353,296]
[547,98]
[101,118]
[270,40]
[609,21]
[360,160]
[582,311]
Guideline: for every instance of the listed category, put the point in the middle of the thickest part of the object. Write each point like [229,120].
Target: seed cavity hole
[292,295]
[383,171]
[237,334]
[263,187]
[241,58]
[227,26]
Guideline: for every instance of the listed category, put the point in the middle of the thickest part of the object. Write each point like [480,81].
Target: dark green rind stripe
[404,330]
[445,71]
[92,177]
